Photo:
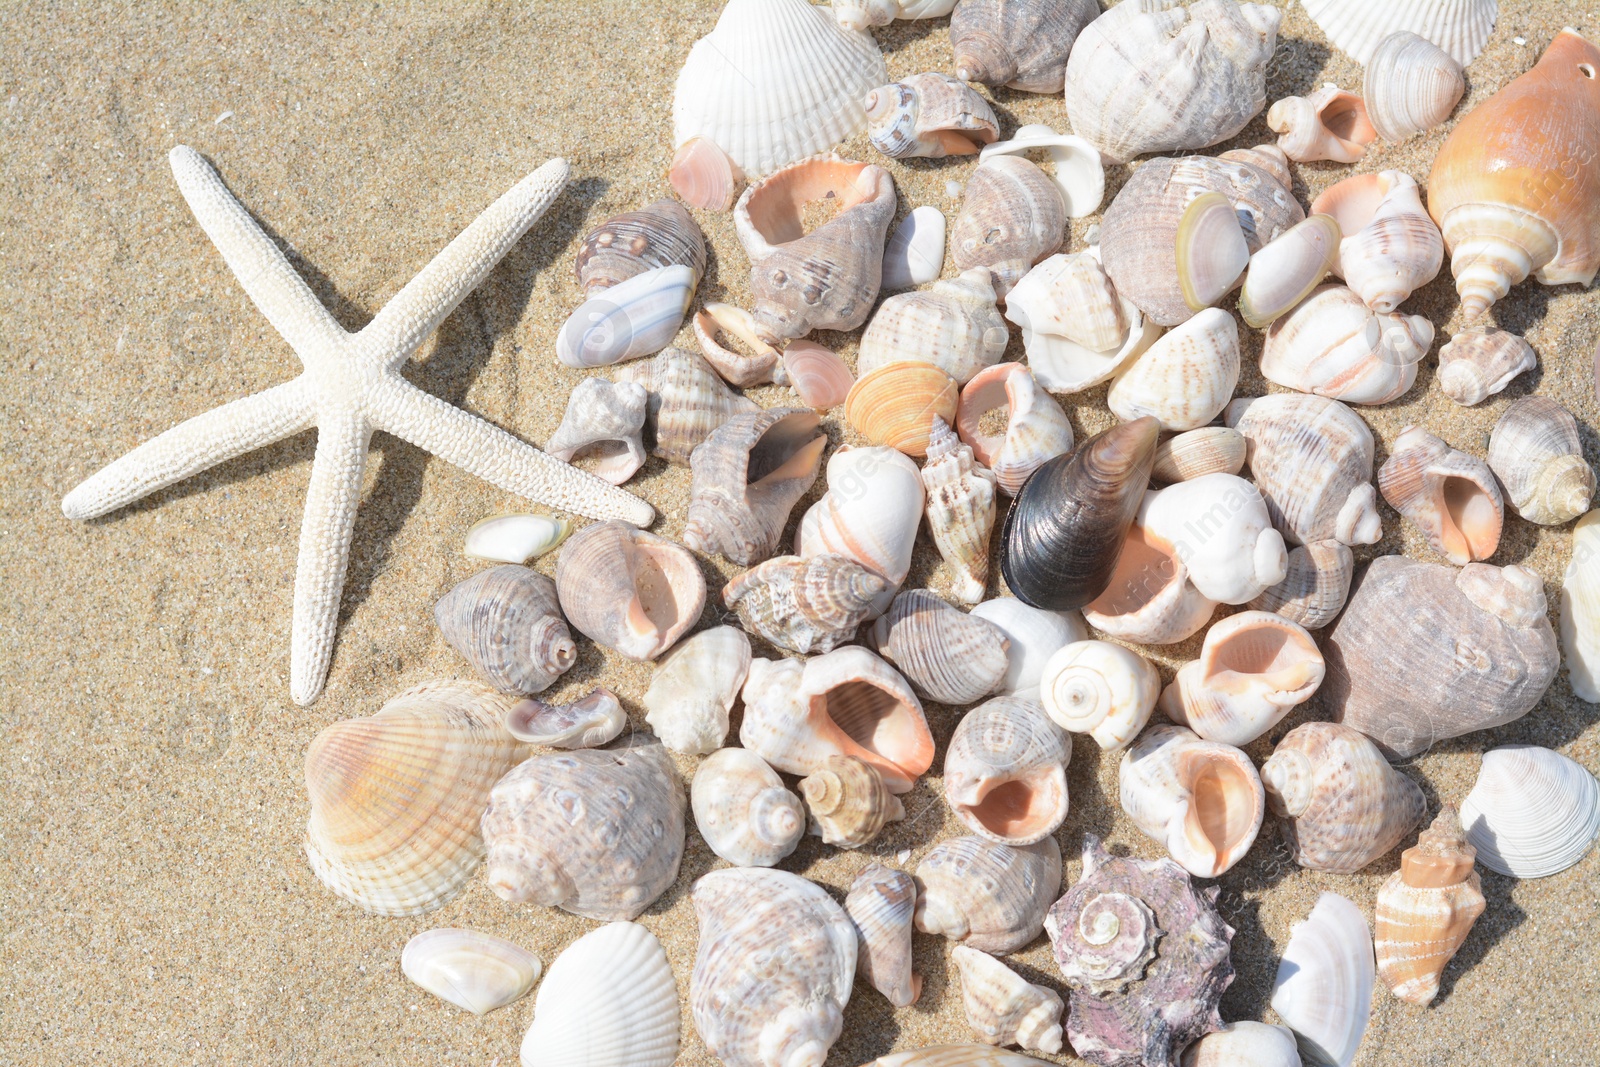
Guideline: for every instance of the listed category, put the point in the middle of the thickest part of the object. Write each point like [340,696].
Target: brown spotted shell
[629,244]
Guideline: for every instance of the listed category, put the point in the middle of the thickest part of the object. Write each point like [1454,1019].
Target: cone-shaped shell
[1254,669]
[1011,217]
[703,175]
[1004,1008]
[1391,247]
[474,971]
[987,895]
[1196,453]
[1426,909]
[507,623]
[1329,124]
[1220,529]
[1101,689]
[953,325]
[932,115]
[693,689]
[608,1001]
[1201,799]
[628,589]
[1358,27]
[687,401]
[1333,345]
[1245,1044]
[1532,812]
[590,721]
[636,241]
[1535,452]
[960,510]
[1150,599]
[1478,363]
[1186,378]
[748,475]
[1005,773]
[1411,86]
[742,809]
[870,513]
[514,538]
[1021,44]
[805,605]
[1315,586]
[1287,269]
[895,406]
[881,904]
[1580,610]
[1035,635]
[848,801]
[947,655]
[1323,989]
[1452,497]
[1037,430]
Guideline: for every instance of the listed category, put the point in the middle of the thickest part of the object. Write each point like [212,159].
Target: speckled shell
[624,245]
[805,605]
[1254,669]
[1146,955]
[1391,248]
[590,721]
[1004,1008]
[474,971]
[1101,689]
[507,623]
[947,655]
[1012,217]
[1021,44]
[1005,772]
[608,1001]
[1333,345]
[1201,799]
[1451,496]
[597,833]
[687,401]
[1330,124]
[848,801]
[748,475]
[1196,453]
[869,514]
[931,115]
[881,903]
[1426,909]
[1537,455]
[628,589]
[773,972]
[1532,812]
[960,511]
[1316,586]
[1323,988]
[693,688]
[605,421]
[953,325]
[1037,430]
[1411,86]
[1479,362]
[1058,343]
[742,809]
[986,895]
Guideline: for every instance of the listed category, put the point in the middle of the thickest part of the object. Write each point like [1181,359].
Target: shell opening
[1346,119]
[1147,566]
[1587,70]
[800,199]
[873,718]
[1273,653]
[1221,811]
[656,596]
[1472,526]
[1012,808]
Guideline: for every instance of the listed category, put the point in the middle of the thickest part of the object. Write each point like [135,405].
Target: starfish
[350,387]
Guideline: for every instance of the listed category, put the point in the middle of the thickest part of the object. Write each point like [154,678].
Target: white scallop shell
[1079,173]
[742,809]
[1101,689]
[1186,378]
[1357,27]
[608,1001]
[1035,635]
[1323,989]
[1532,812]
[1580,610]
[638,317]
[1220,528]
[472,970]
[694,687]
[914,253]
[515,538]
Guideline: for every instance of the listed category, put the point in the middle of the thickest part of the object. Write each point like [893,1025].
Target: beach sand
[157,904]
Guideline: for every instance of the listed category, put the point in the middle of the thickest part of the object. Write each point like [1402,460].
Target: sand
[157,905]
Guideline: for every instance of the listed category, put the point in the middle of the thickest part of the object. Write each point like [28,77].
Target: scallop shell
[1186,378]
[687,401]
[914,253]
[1196,453]
[742,809]
[1021,44]
[1148,78]
[1005,772]
[953,325]
[931,115]
[1330,124]
[1011,217]
[1149,599]
[514,538]
[1288,268]
[590,721]
[1211,250]
[1580,610]
[1201,799]
[860,14]
[1100,689]
[1315,587]
[508,625]
[1244,1044]
[1452,497]
[775,81]
[1078,172]
[1411,86]
[1254,669]
[881,903]
[703,175]
[634,318]
[957,1056]
[819,377]
[1034,634]
[960,511]
[629,590]
[947,655]
[773,972]
[693,688]
[1333,345]
[1426,909]
[1004,1008]
[896,405]
[1532,812]
[1358,27]
[604,420]
[1391,247]
[1037,430]
[395,798]
[1055,342]
[1535,452]
[849,801]
[636,241]
[762,365]
[1220,529]
[1345,806]
[608,1001]
[805,605]
[989,896]
[1479,362]
[474,971]
[846,702]
[748,476]
[869,514]
[1323,989]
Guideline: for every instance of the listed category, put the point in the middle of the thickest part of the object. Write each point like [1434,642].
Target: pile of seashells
[1140,532]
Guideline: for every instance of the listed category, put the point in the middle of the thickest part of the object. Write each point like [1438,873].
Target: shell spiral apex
[1426,909]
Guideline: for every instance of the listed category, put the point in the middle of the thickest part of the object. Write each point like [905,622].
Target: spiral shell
[628,589]
[1005,773]
[1004,1008]
[748,475]
[1037,430]
[1535,452]
[953,325]
[1060,344]
[507,623]
[1333,345]
[590,721]
[986,895]
[1078,172]
[604,420]
[475,971]
[1100,689]
[869,514]
[1426,909]
[881,904]
[947,655]
[1254,669]
[1201,799]
[1186,378]
[1021,44]
[693,688]
[1220,529]
[1411,86]
[629,244]
[848,801]
[960,511]
[687,401]
[1452,497]
[1012,217]
[1479,362]
[1035,635]
[1329,124]
[895,405]
[608,1001]
[1391,247]
[931,115]
[742,809]
[805,605]
[860,14]
[1315,587]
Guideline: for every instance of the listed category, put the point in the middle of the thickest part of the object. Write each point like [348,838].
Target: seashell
[1535,452]
[1186,378]
[1066,528]
[474,971]
[896,405]
[1021,44]
[748,475]
[775,81]
[805,605]
[1411,86]
[1358,27]
[869,514]
[860,14]
[1425,652]
[960,510]
[956,1056]
[954,326]
[1244,1044]
[1004,1008]
[736,368]
[604,420]
[1345,806]
[742,809]
[1265,157]
[1220,530]
[818,375]
[693,688]
[1076,166]
[844,703]
[1452,497]
[507,624]
[988,896]
[1580,611]
[703,175]
[1254,668]
[1504,190]
[1288,268]
[1011,218]
[1211,250]
[1100,689]
[633,318]
[1144,78]
[1315,586]
[1037,430]
[514,538]
[687,401]
[629,590]
[1034,635]
[1532,812]
[1005,773]
[1149,598]
[1323,989]
[931,115]
[1139,231]
[849,801]
[596,833]
[1058,345]
[588,722]
[636,241]
[395,797]
[881,903]
[1333,345]
[1195,453]
[1201,799]
[773,972]
[1146,956]
[1329,124]
[1311,460]
[824,278]
[914,253]
[947,655]
[1391,247]
[1426,909]
[1479,362]
[608,1001]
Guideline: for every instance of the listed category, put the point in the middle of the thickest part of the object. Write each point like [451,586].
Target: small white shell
[604,420]
[1037,430]
[742,809]
[1220,528]
[1101,689]
[1204,801]
[1329,124]
[1479,362]
[1004,1008]
[1078,171]
[860,14]
[590,721]
[1411,86]
[1323,989]
[1186,378]
[1244,1044]
[694,687]
[1005,773]
[1391,247]
[1254,668]
[515,538]
[870,513]
[1333,345]
[1580,610]
[472,970]
[608,1001]
[881,904]
[1532,812]
[1287,268]
[914,253]
[1035,635]
[638,317]
[1066,305]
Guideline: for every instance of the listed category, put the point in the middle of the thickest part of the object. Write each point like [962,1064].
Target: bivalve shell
[1200,799]
[953,325]
[881,904]
[1011,217]
[693,688]
[1100,689]
[1452,497]
[514,538]
[895,405]
[1186,378]
[703,175]
[1532,812]
[1244,1044]
[1196,453]
[1333,345]
[1254,669]
[1287,269]
[1580,610]
[507,622]
[742,809]
[1005,773]
[1323,989]
[1004,1008]
[819,377]
[1212,253]
[957,1056]
[947,655]
[1358,27]
[629,590]
[987,895]
[608,1001]
[1535,452]
[748,476]
[1037,430]
[1479,362]
[1411,86]
[474,971]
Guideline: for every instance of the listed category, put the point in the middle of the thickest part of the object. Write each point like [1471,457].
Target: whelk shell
[737,368]
[1186,378]
[1037,430]
[1479,362]
[986,895]
[953,325]
[960,510]
[1411,86]
[1357,27]
[1078,172]
[703,175]
[474,971]
[742,809]
[932,115]
[1035,635]
[1244,1044]
[819,377]
[1391,247]
[1323,989]
[1535,452]
[1254,668]
[636,241]
[1211,250]
[508,625]
[1011,217]
[604,420]
[748,476]
[1021,44]
[590,721]
[896,405]
[1005,773]
[1287,269]
[514,538]
[805,605]
[1426,909]
[869,514]
[1059,345]
[1580,610]
[1219,527]
[693,688]
[1004,1008]
[1532,812]
[1315,586]
[860,14]
[1100,689]
[914,253]
[881,903]
[629,590]
[947,655]
[1333,345]
[1329,124]
[1200,799]
[1196,453]
[849,801]
[687,401]
[608,1001]
[1452,497]
[634,318]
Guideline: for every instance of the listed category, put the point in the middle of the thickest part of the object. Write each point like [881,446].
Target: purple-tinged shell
[1146,956]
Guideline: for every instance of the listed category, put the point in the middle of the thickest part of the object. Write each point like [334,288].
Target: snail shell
[604,420]
[1219,527]
[987,895]
[881,903]
[1150,599]
[1426,909]
[1391,248]
[1037,430]
[1411,86]
[1333,345]
[748,475]
[1535,452]
[1315,587]
[947,655]
[761,365]
[1078,172]
[869,514]
[475,971]
[1532,812]
[687,401]
[742,809]
[805,605]
[1201,799]
[932,115]
[629,590]
[625,245]
[1058,358]
[953,325]
[1244,1044]
[1479,362]
[1254,669]
[608,1001]
[693,688]
[1004,1008]
[634,318]
[1011,217]
[1035,635]
[860,14]
[848,801]
[1021,44]
[1196,453]
[588,722]
[1005,773]
[1329,124]
[1323,988]
[507,622]
[1100,689]
[1452,497]
[960,510]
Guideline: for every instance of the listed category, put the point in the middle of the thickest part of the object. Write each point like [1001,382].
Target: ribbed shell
[804,605]
[1012,216]
[507,623]
[1245,1044]
[1201,799]
[604,420]
[1357,27]
[870,513]
[1196,453]
[932,115]
[748,476]
[1391,248]
[742,809]
[608,1001]
[1254,669]
[953,325]
[1004,1008]
[624,245]
[957,1056]
[960,510]
[703,175]
[1411,86]
[1022,44]
[1071,296]
[1101,689]
[1532,812]
[687,401]
[881,903]
[474,971]
[1037,430]
[895,405]
[693,689]
[1186,378]
[1315,589]
[1005,772]
[1537,455]
[1323,988]
[628,589]
[1451,496]
[1479,362]
[986,895]
[848,801]
[817,375]
[1333,345]
[1426,909]
[947,655]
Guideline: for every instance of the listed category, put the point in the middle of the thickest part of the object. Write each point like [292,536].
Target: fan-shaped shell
[895,406]
[819,377]
[1532,812]
[1451,496]
[1254,669]
[1535,452]
[1196,453]
[1426,909]
[1004,1008]
[1100,689]
[703,175]
[987,895]
[1357,27]
[605,421]
[947,655]
[932,115]
[1411,86]
[881,904]
[849,801]
[1315,586]
[1331,124]
[1011,217]
[590,721]
[687,401]
[474,971]
[693,688]
[1035,635]
[748,475]
[1201,799]
[953,325]
[1333,345]
[1479,362]
[1391,247]
[1323,989]
[742,809]
[628,589]
[1005,772]
[960,510]
[870,513]
[1037,430]
[608,1001]
[805,605]
[636,241]
[507,622]
[1022,44]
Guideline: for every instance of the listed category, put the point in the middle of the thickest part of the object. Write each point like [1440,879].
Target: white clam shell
[1101,689]
[1245,1044]
[1202,800]
[914,253]
[693,689]
[742,809]
[859,14]
[1411,86]
[1333,345]
[1003,1007]
[1532,812]
[638,317]
[1185,378]
[608,1001]
[1254,668]
[1357,27]
[1220,528]
[475,971]
[515,538]
[1323,989]
[1580,610]
[1079,173]
[870,513]
[1035,635]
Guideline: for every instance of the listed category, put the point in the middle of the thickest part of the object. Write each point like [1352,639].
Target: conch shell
[1012,217]
[629,244]
[1426,909]
[628,589]
[1003,1007]
[849,801]
[604,420]
[1478,362]
[693,689]
[1411,86]
[1037,429]
[805,605]
[953,325]
[1201,799]
[742,809]
[947,655]
[960,511]
[1391,248]
[1452,497]
[931,115]
[687,401]
[1100,689]
[506,621]
[1333,345]
[1005,773]
[748,475]
[1254,669]
[986,895]
[1535,452]
[1220,528]
[1329,124]
[881,904]
[1021,44]
[1150,599]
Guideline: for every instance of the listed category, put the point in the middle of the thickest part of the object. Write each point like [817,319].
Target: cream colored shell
[1358,27]
[870,513]
[1532,812]
[1580,610]
[1004,1008]
[604,420]
[881,904]
[1329,124]
[742,809]
[1333,345]
[947,655]
[1391,246]
[1012,216]
[1220,528]
[609,1001]
[1411,86]
[960,510]
[628,589]
[986,895]
[1535,452]
[475,971]
[1254,669]
[848,801]
[1315,587]
[1186,378]
[1101,689]
[1200,799]
[1426,909]
[693,688]
[954,325]
[687,401]
[1005,772]
[1479,362]
[1452,497]
[1323,988]
[1037,430]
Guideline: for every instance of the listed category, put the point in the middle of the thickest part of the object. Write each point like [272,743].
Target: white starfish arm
[325,531]
[418,309]
[483,449]
[261,267]
[246,424]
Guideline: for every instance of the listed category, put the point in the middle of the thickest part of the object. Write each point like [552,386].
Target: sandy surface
[157,905]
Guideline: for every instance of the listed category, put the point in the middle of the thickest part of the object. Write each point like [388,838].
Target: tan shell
[748,475]
[590,721]
[1196,453]
[742,809]
[848,801]
[1245,1044]
[819,377]
[636,241]
[1012,216]
[1200,799]
[1452,497]
[1535,452]
[805,605]
[1316,587]
[1254,669]
[896,405]
[629,590]
[932,115]
[1479,362]
[1333,345]
[1021,44]
[1411,86]
[947,655]
[597,833]
[986,895]
[953,325]
[1426,909]
[604,421]
[1267,157]
[1329,124]
[956,1056]
[1391,248]
[687,401]
[693,688]
[1004,1008]
[961,511]
[1037,430]
[1005,773]
[761,365]
[507,623]
[881,903]
[395,798]
[1076,300]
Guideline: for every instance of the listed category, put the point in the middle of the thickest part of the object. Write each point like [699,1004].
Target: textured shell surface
[1005,772]
[1532,812]
[590,721]
[1333,345]
[1037,430]
[604,420]
[636,317]
[598,833]
[703,175]
[687,401]
[1245,1044]
[805,605]
[1535,452]
[1411,86]
[608,1001]
[859,14]
[1021,44]
[1012,216]
[954,325]
[895,406]
[1003,1007]
[1201,799]
[693,688]
[818,376]
[715,324]
[1264,157]
[1186,378]
[987,895]
[1479,362]
[1034,635]
[1323,989]
[1219,526]
[1391,247]
[1254,668]
[1345,806]
[474,971]
[960,511]
[947,655]
[1196,453]
[628,589]
[914,253]
[514,538]
[1059,362]
[869,514]
[956,1056]
[1152,78]
[1078,171]
[1149,599]
[748,475]
[1146,955]
[1101,689]
[773,971]
[1330,124]
[624,245]
[881,904]
[848,801]
[742,809]
[1358,27]
[932,115]
[1580,610]
[1426,909]
[395,797]
[507,622]
[1315,586]
[775,81]
[1451,496]
[1287,269]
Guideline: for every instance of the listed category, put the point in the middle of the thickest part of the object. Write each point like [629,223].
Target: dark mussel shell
[1067,526]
